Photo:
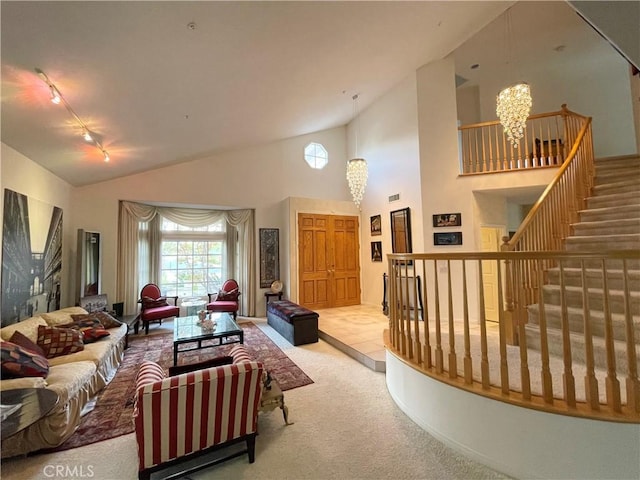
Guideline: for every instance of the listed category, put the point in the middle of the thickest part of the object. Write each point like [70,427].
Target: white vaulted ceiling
[158,92]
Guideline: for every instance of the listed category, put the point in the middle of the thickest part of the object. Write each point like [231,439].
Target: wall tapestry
[269,256]
[31,257]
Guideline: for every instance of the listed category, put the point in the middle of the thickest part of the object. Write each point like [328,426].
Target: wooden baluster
[524,362]
[417,346]
[393,313]
[487,166]
[492,157]
[499,153]
[505,160]
[547,382]
[426,353]
[453,362]
[484,358]
[404,307]
[504,367]
[549,145]
[399,306]
[439,353]
[632,384]
[567,376]
[590,380]
[468,362]
[611,382]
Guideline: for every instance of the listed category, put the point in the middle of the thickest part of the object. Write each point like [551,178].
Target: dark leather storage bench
[297,324]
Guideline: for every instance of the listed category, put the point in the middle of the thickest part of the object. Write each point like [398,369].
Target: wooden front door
[329,261]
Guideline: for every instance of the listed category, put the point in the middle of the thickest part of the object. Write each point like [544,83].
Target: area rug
[112,415]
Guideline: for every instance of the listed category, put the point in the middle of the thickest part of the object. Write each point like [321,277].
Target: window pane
[169,248]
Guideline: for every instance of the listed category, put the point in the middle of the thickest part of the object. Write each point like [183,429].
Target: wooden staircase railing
[548,223]
[452,341]
[547,142]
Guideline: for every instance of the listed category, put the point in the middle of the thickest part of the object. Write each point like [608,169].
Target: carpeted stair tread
[578,348]
[622,184]
[593,276]
[573,297]
[611,199]
[598,227]
[610,212]
[622,241]
[575,316]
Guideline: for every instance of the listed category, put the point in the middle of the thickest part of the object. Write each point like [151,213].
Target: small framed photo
[447,220]
[449,238]
[376,251]
[376,225]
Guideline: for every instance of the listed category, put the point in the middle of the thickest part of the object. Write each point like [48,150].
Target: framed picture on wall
[376,251]
[376,225]
[449,238]
[269,256]
[447,220]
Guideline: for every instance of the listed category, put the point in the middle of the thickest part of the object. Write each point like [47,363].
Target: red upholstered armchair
[181,417]
[226,300]
[154,307]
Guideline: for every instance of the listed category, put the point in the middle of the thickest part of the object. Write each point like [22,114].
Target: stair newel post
[568,379]
[590,380]
[612,383]
[568,140]
[547,383]
[633,386]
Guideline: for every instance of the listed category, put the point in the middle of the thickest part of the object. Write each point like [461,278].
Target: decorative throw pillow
[20,362]
[56,341]
[21,339]
[228,296]
[148,302]
[91,329]
[104,318]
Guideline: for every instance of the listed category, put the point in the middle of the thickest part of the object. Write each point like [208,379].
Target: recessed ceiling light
[474,66]
[559,48]
[191,25]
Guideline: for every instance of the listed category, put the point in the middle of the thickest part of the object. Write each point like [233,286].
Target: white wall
[261,177]
[20,174]
[388,140]
[521,442]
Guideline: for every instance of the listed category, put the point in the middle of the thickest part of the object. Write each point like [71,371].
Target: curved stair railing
[580,353]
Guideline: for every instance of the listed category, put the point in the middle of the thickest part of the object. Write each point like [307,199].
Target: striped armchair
[181,417]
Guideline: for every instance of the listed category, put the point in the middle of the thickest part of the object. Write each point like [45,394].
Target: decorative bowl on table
[208,325]
[276,286]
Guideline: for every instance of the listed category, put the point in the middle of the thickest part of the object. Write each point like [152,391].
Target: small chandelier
[357,171]
[513,107]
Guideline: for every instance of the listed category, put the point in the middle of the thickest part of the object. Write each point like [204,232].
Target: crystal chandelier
[513,107]
[513,104]
[357,177]
[357,171]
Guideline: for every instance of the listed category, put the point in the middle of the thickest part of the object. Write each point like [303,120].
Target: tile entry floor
[357,331]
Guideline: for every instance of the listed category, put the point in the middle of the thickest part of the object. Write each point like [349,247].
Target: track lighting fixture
[57,98]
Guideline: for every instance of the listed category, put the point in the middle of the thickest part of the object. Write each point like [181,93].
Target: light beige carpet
[346,427]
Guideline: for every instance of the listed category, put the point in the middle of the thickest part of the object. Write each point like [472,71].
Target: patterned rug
[112,415]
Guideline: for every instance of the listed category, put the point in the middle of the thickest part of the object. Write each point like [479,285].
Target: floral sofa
[75,354]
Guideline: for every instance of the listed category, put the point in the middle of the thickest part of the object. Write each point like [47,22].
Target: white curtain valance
[131,214]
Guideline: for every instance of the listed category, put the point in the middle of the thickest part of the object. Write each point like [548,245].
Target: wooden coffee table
[35,404]
[187,330]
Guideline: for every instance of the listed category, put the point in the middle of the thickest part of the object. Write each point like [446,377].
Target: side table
[130,321]
[268,295]
[273,398]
